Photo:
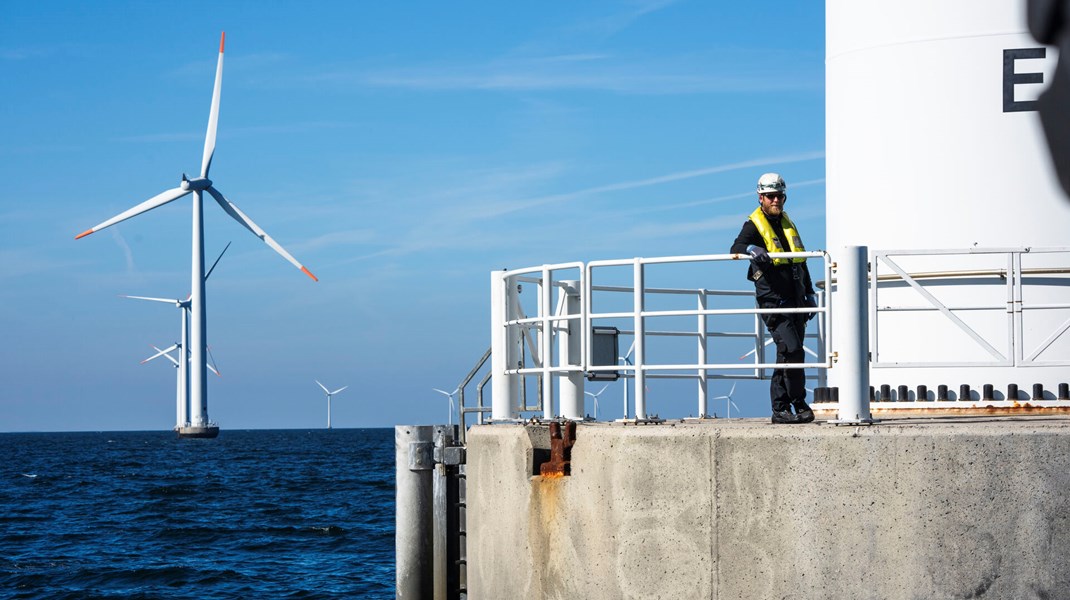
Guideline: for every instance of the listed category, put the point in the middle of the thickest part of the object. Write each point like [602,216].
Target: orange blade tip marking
[309,273]
[83,234]
[222,38]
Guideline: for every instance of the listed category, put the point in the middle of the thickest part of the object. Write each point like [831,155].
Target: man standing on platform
[780,283]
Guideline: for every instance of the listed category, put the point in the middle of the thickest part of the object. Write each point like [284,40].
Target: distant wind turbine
[329,394]
[199,423]
[728,401]
[627,358]
[181,389]
[449,417]
[595,398]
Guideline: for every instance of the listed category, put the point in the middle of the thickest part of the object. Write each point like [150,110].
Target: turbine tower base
[207,431]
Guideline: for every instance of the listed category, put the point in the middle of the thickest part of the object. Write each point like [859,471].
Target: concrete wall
[967,508]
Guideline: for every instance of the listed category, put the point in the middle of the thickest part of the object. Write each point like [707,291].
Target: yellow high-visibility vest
[772,242]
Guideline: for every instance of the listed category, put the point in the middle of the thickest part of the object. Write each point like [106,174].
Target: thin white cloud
[717,199]
[233,63]
[572,58]
[339,238]
[21,262]
[553,73]
[127,252]
[506,207]
[31,52]
[672,230]
[162,137]
[232,132]
[458,227]
[615,23]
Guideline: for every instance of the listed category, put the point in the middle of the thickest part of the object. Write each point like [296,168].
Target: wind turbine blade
[167,356]
[339,389]
[321,385]
[767,342]
[444,392]
[241,217]
[159,353]
[209,273]
[211,365]
[151,203]
[167,300]
[213,114]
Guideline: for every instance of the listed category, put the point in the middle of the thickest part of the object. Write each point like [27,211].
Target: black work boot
[802,411]
[785,416]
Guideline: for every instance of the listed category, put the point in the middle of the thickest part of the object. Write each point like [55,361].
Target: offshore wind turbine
[449,417]
[595,398]
[200,426]
[329,394]
[182,417]
[181,389]
[729,403]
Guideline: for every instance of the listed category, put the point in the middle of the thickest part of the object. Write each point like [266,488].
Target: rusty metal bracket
[561,441]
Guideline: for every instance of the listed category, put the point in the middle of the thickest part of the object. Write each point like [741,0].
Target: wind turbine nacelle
[198,184]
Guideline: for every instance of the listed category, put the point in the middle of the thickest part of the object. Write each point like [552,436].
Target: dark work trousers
[787,385]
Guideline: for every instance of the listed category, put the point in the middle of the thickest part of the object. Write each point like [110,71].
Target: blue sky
[401,151]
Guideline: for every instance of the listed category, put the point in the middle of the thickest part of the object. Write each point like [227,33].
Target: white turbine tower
[729,403]
[329,394]
[449,416]
[200,426]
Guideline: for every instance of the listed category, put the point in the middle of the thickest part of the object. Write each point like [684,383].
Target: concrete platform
[968,507]
[208,432]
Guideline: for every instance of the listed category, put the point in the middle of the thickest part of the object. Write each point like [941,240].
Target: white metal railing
[1006,352]
[572,321]
[1035,282]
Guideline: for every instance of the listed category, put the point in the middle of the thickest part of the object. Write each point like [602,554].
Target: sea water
[250,514]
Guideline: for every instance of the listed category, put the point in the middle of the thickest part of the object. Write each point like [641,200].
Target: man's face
[773,203]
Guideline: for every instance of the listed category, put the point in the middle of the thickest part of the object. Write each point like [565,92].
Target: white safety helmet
[770,183]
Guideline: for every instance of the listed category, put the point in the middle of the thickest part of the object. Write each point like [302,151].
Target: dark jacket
[775,286]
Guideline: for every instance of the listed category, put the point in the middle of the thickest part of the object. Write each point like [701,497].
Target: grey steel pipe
[446,537]
[413,542]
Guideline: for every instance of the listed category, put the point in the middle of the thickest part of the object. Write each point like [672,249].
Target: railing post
[546,348]
[822,341]
[853,335]
[703,380]
[570,352]
[503,342]
[639,305]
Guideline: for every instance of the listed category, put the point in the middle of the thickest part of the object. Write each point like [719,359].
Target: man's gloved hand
[811,302]
[758,254]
